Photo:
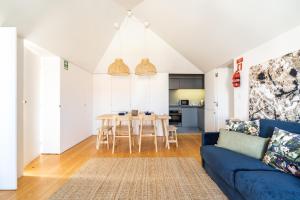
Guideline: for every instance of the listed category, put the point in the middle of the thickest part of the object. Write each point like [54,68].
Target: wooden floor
[47,173]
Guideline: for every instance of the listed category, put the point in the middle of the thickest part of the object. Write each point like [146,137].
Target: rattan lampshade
[145,68]
[118,68]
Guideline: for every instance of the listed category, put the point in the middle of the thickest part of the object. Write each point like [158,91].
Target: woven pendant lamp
[118,68]
[145,68]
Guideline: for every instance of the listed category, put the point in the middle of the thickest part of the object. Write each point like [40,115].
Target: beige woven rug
[140,178]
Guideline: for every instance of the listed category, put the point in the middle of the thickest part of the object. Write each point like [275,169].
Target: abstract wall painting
[275,89]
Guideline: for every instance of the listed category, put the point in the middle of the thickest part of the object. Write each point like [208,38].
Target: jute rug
[140,178]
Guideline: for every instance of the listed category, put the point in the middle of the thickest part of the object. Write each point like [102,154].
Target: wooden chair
[164,122]
[147,128]
[123,129]
[103,132]
[171,136]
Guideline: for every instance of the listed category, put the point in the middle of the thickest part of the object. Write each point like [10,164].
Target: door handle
[216,103]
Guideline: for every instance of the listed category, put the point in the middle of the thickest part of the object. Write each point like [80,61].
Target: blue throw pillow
[283,152]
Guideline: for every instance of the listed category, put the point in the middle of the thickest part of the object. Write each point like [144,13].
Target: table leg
[166,133]
[163,128]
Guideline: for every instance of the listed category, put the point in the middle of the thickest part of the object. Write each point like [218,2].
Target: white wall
[50,105]
[20,70]
[76,105]
[115,94]
[31,117]
[8,108]
[132,43]
[279,46]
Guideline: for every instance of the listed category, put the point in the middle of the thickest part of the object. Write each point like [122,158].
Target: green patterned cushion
[249,145]
[283,152]
[247,127]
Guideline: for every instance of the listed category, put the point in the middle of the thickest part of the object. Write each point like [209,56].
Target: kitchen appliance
[184,102]
[175,117]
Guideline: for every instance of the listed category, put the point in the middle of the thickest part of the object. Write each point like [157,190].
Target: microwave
[184,102]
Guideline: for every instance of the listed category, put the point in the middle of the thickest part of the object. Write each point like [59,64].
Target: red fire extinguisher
[236,78]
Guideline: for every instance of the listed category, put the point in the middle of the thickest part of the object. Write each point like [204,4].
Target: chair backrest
[267,126]
[145,119]
[105,120]
[123,119]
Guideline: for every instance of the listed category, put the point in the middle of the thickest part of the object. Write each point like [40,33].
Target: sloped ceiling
[76,30]
[128,4]
[140,43]
[211,32]
[207,32]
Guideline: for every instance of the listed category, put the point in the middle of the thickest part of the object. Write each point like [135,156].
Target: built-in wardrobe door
[150,93]
[50,105]
[141,94]
[159,92]
[31,106]
[120,93]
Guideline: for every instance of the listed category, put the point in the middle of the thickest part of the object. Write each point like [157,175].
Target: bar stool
[104,131]
[123,129]
[171,136]
[147,128]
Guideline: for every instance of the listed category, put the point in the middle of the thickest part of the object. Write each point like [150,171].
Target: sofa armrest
[209,138]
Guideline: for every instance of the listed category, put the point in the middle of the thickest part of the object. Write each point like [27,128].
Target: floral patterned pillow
[247,127]
[283,152]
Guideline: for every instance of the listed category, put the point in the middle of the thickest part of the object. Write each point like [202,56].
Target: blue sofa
[243,177]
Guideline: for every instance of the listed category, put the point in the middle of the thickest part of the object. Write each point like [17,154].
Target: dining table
[163,118]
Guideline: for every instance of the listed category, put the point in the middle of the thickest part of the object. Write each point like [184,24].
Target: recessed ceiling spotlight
[129,13]
[146,24]
[116,25]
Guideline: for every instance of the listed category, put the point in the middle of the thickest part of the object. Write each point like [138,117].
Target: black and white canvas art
[275,89]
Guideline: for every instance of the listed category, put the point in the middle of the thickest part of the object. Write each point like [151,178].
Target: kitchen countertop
[184,106]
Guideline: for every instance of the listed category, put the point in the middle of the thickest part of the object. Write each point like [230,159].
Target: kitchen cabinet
[190,117]
[201,118]
[174,83]
[191,81]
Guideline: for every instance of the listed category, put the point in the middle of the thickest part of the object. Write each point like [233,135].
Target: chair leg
[140,142]
[132,139]
[99,139]
[166,140]
[140,137]
[107,139]
[129,143]
[155,139]
[114,142]
[97,142]
[155,142]
[176,139]
[168,144]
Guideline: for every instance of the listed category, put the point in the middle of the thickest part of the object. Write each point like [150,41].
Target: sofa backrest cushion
[248,145]
[267,127]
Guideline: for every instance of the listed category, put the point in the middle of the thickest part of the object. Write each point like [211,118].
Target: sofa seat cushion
[267,185]
[226,163]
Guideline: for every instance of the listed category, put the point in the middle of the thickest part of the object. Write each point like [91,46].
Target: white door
[211,102]
[218,98]
[31,113]
[224,96]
